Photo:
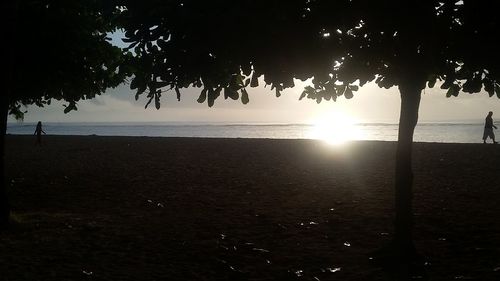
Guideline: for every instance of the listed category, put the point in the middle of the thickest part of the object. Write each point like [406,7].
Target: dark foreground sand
[124,208]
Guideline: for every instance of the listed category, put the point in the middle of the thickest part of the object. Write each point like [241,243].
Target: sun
[335,128]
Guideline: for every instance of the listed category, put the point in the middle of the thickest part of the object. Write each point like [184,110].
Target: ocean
[424,132]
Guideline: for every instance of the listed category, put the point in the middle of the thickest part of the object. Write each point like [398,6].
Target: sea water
[424,132]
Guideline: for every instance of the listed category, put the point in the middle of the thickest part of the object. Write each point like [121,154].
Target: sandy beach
[137,208]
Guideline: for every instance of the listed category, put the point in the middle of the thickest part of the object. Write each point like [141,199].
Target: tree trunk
[403,238]
[4,202]
[10,23]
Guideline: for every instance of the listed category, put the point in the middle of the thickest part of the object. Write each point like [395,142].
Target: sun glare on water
[335,128]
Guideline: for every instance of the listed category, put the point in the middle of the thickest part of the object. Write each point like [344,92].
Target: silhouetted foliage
[217,44]
[55,49]
[60,50]
[223,46]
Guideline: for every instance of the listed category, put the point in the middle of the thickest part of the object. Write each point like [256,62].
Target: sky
[370,104]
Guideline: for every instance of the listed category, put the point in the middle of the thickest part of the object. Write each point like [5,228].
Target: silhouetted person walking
[488,128]
[38,133]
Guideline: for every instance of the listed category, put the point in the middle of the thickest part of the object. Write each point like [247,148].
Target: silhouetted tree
[54,49]
[223,46]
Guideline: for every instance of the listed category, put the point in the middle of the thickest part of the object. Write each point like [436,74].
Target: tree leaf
[326,95]
[178,93]
[239,81]
[149,101]
[432,81]
[203,96]
[340,89]
[255,80]
[304,93]
[447,83]
[211,97]
[354,88]
[472,85]
[231,93]
[133,84]
[489,88]
[246,68]
[157,101]
[348,93]
[453,90]
[309,89]
[244,96]
[217,92]
[234,95]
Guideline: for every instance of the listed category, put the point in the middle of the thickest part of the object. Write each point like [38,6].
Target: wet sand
[132,208]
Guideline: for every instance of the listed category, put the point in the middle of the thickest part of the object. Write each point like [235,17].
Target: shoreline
[242,138]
